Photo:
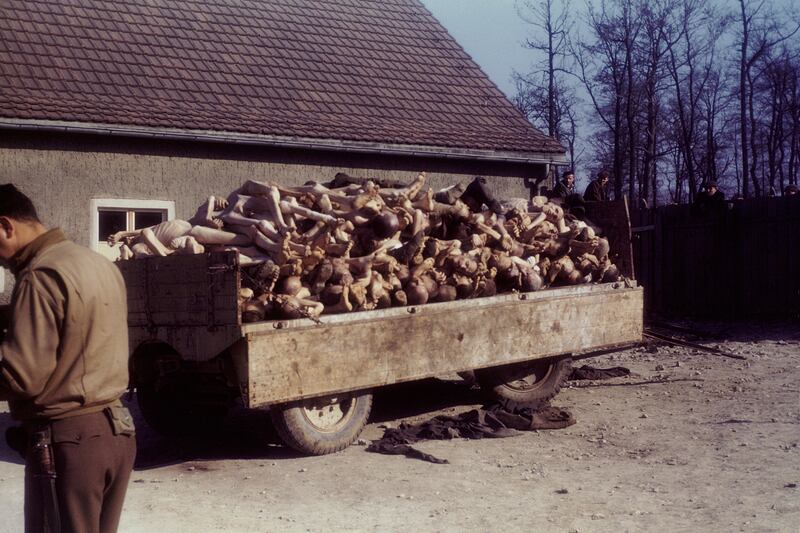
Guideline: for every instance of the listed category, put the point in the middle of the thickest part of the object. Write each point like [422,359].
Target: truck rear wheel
[177,409]
[524,385]
[177,398]
[319,426]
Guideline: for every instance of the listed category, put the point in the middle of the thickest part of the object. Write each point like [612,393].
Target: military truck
[192,356]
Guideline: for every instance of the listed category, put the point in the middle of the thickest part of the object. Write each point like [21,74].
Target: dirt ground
[689,442]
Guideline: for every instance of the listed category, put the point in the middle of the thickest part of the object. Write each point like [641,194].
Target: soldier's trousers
[93,463]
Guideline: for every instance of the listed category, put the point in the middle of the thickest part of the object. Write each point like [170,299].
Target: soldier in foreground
[63,369]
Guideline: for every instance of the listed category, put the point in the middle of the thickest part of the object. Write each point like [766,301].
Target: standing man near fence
[565,187]
[710,200]
[63,369]
[596,191]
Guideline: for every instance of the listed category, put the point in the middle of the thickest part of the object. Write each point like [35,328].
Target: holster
[41,461]
[5,320]
[121,420]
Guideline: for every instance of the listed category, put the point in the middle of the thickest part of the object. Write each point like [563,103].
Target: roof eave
[307,143]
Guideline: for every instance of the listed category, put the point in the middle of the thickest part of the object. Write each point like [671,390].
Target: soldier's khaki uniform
[63,369]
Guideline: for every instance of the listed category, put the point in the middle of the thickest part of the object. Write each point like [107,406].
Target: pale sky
[491,32]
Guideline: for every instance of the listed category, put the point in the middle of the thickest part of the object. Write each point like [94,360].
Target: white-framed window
[110,215]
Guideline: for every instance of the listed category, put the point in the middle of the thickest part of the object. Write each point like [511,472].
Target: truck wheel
[174,410]
[318,426]
[523,385]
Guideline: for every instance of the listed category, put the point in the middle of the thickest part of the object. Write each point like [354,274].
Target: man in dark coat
[596,191]
[565,186]
[710,199]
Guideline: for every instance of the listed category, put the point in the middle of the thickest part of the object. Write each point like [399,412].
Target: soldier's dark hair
[603,174]
[14,204]
[567,173]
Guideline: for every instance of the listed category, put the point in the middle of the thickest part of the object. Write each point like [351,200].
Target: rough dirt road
[688,442]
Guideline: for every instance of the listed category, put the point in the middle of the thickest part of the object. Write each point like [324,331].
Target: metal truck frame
[191,355]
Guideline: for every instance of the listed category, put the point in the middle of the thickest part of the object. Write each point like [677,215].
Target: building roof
[371,71]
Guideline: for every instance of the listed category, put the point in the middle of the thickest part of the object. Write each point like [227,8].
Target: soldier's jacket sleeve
[29,353]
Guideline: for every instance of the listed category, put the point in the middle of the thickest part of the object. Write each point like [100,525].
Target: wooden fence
[742,262]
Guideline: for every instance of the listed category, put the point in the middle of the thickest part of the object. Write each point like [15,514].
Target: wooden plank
[614,218]
[752,244]
[194,343]
[793,264]
[643,244]
[743,265]
[658,265]
[188,290]
[289,361]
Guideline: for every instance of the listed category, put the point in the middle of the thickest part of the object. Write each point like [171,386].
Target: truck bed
[285,361]
[190,304]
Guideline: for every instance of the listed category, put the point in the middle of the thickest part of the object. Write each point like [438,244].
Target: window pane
[111,222]
[145,219]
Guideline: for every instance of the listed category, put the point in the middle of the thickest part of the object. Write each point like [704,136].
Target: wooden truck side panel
[285,361]
[188,302]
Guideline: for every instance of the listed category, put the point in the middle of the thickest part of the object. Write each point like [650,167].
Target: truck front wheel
[525,385]
[319,426]
[178,407]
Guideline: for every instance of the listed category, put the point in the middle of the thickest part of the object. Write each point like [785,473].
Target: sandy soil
[688,442]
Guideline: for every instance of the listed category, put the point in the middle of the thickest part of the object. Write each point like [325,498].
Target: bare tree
[666,113]
[602,69]
[542,94]
[717,129]
[759,32]
[692,66]
[793,136]
[655,16]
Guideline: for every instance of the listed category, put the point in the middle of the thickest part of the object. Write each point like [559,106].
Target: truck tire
[525,385]
[174,409]
[319,426]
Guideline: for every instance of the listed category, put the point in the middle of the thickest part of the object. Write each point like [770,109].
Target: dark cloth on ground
[590,372]
[488,422]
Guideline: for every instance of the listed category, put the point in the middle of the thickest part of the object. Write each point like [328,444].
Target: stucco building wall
[63,173]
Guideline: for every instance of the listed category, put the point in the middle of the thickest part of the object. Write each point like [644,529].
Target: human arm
[29,352]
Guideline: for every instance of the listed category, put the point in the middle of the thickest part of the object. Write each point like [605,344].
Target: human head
[790,190]
[711,187]
[568,177]
[19,223]
[603,176]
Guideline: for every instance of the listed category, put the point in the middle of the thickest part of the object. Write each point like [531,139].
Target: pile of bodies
[357,244]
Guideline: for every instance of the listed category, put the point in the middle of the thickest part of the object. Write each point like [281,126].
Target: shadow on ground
[745,331]
[248,434]
[7,455]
